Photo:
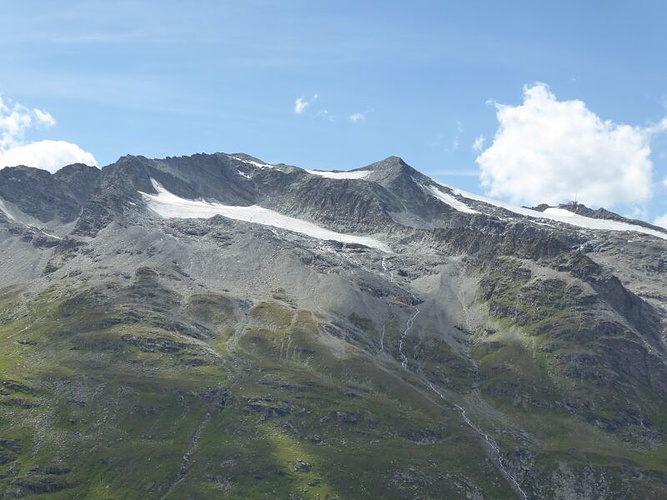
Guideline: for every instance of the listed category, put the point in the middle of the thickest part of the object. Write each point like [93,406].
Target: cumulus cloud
[15,121]
[302,103]
[552,151]
[47,155]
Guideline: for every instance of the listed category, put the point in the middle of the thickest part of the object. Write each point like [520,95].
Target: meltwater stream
[462,411]
[487,439]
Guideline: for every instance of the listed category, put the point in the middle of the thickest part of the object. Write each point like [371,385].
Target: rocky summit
[217,327]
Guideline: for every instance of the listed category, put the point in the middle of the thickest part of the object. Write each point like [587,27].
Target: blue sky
[526,101]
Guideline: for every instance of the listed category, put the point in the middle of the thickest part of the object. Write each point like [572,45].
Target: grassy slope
[551,376]
[107,393]
[130,390]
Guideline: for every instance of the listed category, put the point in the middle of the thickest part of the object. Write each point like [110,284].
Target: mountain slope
[214,326]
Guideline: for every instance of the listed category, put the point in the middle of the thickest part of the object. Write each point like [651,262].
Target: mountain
[217,327]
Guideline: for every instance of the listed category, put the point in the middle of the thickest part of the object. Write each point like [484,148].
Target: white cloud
[357,117]
[553,151]
[15,121]
[478,145]
[302,103]
[44,118]
[657,128]
[47,155]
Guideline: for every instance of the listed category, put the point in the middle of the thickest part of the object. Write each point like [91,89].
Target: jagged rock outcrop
[46,197]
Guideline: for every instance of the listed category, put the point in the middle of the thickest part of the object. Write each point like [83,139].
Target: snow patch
[6,211]
[451,201]
[357,174]
[50,235]
[562,215]
[254,163]
[560,212]
[168,205]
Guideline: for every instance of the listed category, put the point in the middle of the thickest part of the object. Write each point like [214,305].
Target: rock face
[213,326]
[47,197]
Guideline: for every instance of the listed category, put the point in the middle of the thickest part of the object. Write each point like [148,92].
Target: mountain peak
[393,167]
[392,160]
[389,163]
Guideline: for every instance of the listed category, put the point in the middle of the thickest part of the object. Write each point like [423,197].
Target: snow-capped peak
[560,215]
